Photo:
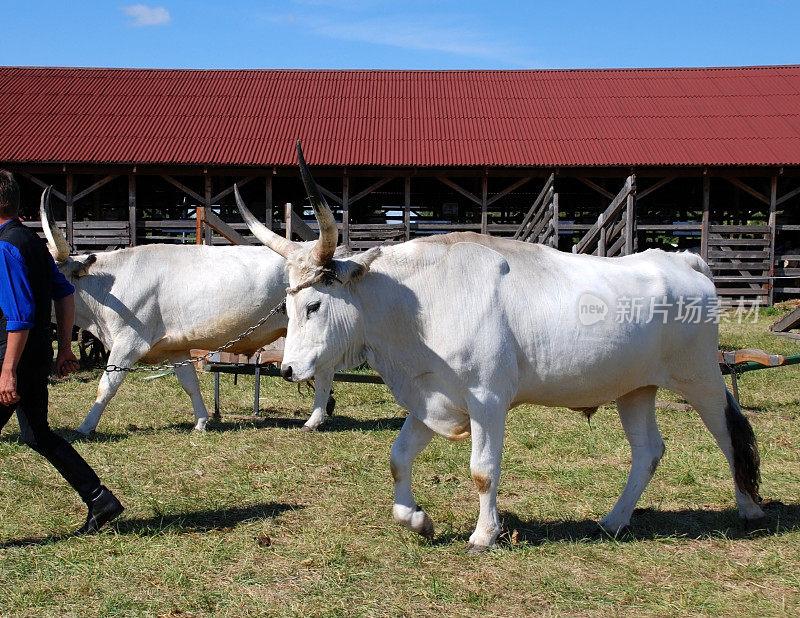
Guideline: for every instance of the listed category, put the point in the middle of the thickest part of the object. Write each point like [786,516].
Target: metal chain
[206,356]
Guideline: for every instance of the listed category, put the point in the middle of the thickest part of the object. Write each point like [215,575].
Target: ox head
[72,268]
[323,315]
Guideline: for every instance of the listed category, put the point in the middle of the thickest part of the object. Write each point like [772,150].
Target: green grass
[256,518]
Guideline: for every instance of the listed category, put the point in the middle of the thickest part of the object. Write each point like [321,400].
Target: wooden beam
[213,221]
[788,196]
[94,187]
[508,190]
[597,188]
[200,199]
[748,189]
[459,189]
[43,185]
[330,194]
[300,227]
[655,187]
[199,227]
[369,190]
[229,190]
[207,204]
[132,208]
[287,218]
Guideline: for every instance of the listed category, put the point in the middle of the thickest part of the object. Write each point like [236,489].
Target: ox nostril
[286,372]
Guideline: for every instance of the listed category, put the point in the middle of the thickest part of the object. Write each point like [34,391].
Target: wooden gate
[740,259]
[540,224]
[614,233]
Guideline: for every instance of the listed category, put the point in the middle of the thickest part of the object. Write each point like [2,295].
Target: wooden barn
[599,161]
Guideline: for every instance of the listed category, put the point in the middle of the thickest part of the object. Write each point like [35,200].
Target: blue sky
[378,34]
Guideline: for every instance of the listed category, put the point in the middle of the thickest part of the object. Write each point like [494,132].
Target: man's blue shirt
[16,296]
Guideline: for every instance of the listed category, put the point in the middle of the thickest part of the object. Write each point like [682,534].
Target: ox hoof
[472,548]
[308,428]
[330,406]
[614,532]
[79,436]
[751,525]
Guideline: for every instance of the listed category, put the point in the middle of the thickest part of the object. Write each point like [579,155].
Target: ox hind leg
[734,436]
[187,376]
[637,414]
[110,381]
[413,438]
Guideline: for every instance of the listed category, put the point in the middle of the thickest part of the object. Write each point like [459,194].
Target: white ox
[154,303]
[464,327]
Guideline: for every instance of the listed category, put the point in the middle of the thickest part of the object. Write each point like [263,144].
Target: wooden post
[346,210]
[484,204]
[555,220]
[199,217]
[208,234]
[773,232]
[268,200]
[601,242]
[706,217]
[630,220]
[70,210]
[287,216]
[407,209]
[132,209]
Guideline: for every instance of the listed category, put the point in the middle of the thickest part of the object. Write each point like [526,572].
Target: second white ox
[154,303]
[464,327]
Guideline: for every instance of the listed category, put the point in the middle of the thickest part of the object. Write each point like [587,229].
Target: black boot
[103,507]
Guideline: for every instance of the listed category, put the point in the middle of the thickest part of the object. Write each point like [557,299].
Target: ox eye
[312,308]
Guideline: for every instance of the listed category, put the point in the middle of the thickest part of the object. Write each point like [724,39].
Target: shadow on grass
[182,523]
[649,524]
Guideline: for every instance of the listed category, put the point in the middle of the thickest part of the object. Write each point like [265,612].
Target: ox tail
[746,460]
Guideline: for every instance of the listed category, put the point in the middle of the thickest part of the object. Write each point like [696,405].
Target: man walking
[29,284]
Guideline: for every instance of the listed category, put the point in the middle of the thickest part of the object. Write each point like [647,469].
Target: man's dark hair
[9,195]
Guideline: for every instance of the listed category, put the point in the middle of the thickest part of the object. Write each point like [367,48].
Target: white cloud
[143,15]
[420,35]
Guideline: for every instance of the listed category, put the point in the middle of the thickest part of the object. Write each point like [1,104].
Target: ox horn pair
[322,253]
[56,242]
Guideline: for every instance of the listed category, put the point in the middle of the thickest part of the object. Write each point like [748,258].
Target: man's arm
[8,375]
[66,362]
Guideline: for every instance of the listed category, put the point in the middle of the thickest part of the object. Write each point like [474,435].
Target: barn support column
[706,216]
[346,210]
[773,203]
[132,208]
[407,208]
[484,203]
[207,237]
[70,211]
[268,201]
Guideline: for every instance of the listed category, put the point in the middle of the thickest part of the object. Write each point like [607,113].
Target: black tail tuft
[746,460]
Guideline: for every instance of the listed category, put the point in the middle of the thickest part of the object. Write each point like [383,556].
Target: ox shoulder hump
[478,257]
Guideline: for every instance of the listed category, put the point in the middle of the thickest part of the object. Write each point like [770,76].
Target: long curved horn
[322,253]
[279,244]
[56,242]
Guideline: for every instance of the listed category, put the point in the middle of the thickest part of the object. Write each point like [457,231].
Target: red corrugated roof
[645,117]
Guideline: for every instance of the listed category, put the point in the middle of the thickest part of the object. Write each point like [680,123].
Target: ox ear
[351,270]
[81,265]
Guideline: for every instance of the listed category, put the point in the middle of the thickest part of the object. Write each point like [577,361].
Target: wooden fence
[614,233]
[540,224]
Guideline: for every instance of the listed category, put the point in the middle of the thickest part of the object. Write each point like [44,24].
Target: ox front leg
[322,393]
[487,450]
[413,438]
[187,376]
[109,384]
[638,415]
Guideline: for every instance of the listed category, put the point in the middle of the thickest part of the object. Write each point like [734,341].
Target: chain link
[206,356]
